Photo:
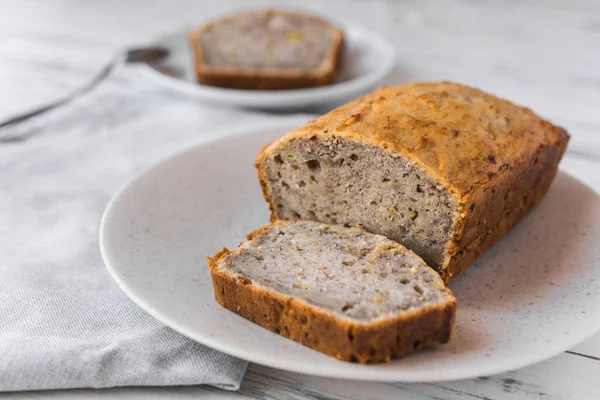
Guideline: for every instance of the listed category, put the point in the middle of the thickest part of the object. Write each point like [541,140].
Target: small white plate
[532,296]
[367,59]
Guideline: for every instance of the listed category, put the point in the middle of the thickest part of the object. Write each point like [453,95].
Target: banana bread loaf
[342,291]
[267,49]
[442,168]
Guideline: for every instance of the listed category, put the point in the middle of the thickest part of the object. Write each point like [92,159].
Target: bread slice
[443,168]
[268,50]
[344,292]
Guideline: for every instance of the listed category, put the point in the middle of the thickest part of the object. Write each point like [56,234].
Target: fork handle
[64,100]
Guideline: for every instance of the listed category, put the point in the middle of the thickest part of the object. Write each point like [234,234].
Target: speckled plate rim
[376,372]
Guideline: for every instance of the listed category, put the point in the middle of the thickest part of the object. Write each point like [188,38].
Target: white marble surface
[544,54]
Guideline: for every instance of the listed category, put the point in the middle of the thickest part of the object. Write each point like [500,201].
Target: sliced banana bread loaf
[267,49]
[342,291]
[442,168]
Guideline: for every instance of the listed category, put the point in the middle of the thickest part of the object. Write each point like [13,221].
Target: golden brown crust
[238,78]
[262,180]
[501,204]
[320,330]
[497,159]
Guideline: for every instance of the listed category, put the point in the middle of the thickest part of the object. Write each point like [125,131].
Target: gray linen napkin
[63,322]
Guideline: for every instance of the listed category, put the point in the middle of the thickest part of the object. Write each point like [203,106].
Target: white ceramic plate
[367,59]
[532,296]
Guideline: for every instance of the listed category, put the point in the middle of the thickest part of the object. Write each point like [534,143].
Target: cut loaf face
[442,168]
[339,181]
[343,291]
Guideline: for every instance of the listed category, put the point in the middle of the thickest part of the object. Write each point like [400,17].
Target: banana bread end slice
[350,294]
[267,50]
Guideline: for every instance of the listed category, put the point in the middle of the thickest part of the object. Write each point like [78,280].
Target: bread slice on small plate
[350,294]
[267,50]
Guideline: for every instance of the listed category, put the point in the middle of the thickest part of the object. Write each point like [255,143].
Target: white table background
[543,54]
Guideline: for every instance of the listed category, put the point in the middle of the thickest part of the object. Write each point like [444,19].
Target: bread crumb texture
[335,289]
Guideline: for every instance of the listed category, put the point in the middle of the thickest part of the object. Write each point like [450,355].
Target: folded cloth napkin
[63,322]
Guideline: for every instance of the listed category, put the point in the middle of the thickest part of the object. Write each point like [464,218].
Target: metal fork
[135,55]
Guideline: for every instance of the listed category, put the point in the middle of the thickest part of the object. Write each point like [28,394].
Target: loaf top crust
[461,135]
